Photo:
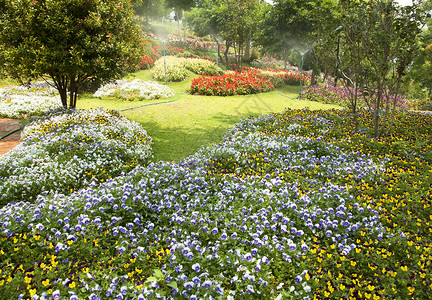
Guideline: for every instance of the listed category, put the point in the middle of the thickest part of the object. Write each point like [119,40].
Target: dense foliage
[289,205]
[69,41]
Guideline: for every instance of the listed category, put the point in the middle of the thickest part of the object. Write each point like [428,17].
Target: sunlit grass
[179,128]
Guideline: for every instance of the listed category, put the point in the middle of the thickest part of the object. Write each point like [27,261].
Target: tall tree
[146,8]
[230,21]
[288,24]
[179,7]
[70,42]
[377,40]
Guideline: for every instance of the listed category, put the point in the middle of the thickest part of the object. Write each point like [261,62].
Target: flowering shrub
[288,206]
[34,99]
[66,149]
[249,81]
[150,55]
[202,66]
[134,90]
[176,68]
[341,96]
[172,69]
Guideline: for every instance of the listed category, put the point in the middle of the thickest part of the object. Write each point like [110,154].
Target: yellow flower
[45,282]
[353,263]
[371,287]
[404,268]
[72,284]
[411,289]
[32,292]
[341,287]
[368,296]
[27,279]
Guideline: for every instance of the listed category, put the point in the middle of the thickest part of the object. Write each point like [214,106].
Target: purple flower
[56,295]
[298,279]
[207,284]
[189,285]
[123,290]
[196,267]
[196,280]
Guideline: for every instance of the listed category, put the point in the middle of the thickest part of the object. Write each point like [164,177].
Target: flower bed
[341,96]
[249,81]
[291,205]
[65,150]
[134,90]
[177,68]
[34,99]
[153,52]
[230,85]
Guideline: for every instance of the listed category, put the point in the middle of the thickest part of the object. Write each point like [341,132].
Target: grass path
[181,127]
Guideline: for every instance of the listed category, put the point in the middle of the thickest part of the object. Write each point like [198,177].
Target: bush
[170,68]
[134,90]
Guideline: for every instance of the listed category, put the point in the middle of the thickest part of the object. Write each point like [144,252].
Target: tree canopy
[70,42]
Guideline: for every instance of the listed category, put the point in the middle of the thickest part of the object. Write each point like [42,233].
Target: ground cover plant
[33,99]
[291,205]
[134,90]
[248,81]
[65,150]
[172,68]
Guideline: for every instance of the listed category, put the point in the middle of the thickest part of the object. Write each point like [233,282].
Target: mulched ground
[6,126]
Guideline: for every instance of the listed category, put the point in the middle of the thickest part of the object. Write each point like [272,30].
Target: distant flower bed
[153,52]
[134,90]
[66,149]
[176,68]
[33,99]
[341,96]
[249,81]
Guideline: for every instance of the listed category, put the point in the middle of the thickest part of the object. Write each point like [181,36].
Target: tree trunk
[313,77]
[227,45]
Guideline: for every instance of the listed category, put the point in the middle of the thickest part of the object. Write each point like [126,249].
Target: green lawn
[181,127]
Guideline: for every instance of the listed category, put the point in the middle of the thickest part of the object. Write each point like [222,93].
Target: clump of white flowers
[134,90]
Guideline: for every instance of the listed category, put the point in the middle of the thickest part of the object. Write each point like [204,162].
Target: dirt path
[6,126]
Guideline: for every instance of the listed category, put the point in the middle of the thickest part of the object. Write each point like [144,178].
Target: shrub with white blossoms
[134,90]
[66,149]
[34,99]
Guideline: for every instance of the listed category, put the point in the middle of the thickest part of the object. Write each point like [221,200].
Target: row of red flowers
[230,84]
[250,81]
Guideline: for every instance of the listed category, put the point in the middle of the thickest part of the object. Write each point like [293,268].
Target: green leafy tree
[376,42]
[288,24]
[71,42]
[179,7]
[147,8]
[230,21]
